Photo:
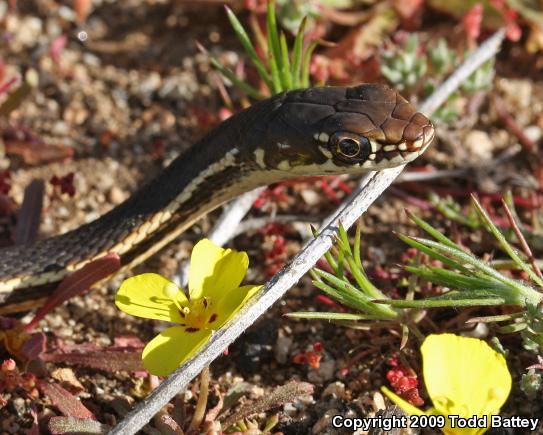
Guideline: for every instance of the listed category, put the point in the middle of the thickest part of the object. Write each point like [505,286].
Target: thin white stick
[292,272]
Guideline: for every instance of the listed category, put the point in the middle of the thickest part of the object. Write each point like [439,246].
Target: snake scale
[316,131]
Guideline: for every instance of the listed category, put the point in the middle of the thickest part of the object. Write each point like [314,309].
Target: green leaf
[330,316]
[494,319]
[274,56]
[448,278]
[248,46]
[274,69]
[356,301]
[285,63]
[504,243]
[340,263]
[347,292]
[307,60]
[362,280]
[230,75]
[449,300]
[509,329]
[435,255]
[297,55]
[524,293]
[344,239]
[431,230]
[356,245]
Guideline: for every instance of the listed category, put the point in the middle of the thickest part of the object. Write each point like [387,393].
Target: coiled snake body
[316,131]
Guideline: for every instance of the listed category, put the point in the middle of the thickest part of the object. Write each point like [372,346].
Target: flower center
[198,314]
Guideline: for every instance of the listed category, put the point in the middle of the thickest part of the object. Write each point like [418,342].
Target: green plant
[531,383]
[405,68]
[282,68]
[472,281]
[348,284]
[467,281]
[412,68]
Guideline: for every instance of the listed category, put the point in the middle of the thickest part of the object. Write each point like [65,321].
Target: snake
[306,132]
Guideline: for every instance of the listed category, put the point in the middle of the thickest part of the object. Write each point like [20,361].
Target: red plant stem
[6,86]
[512,125]
[522,240]
[420,203]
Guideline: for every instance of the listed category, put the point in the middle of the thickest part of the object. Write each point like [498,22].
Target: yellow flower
[463,376]
[215,295]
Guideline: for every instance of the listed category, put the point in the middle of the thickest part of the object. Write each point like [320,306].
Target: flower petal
[143,296]
[231,303]
[214,270]
[405,405]
[464,376]
[169,349]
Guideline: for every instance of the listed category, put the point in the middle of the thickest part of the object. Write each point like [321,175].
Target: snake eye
[350,147]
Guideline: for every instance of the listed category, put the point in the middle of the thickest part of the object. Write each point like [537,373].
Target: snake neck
[214,170]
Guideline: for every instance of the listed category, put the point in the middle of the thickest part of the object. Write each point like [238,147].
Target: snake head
[343,130]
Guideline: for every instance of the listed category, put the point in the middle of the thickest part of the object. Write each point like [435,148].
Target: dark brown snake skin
[316,131]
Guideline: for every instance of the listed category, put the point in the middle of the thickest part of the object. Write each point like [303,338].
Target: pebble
[480,331]
[282,349]
[150,84]
[310,197]
[116,195]
[335,389]
[533,132]
[325,372]
[479,145]
[67,377]
[325,421]
[290,410]
[517,92]
[67,13]
[378,402]
[20,406]
[26,30]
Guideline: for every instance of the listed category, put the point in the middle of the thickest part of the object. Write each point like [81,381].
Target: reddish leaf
[65,425]
[78,282]
[67,403]
[82,9]
[57,47]
[2,70]
[34,346]
[167,425]
[37,152]
[283,394]
[108,361]
[5,87]
[409,12]
[472,21]
[128,341]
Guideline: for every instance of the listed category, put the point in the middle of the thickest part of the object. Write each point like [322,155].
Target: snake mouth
[389,155]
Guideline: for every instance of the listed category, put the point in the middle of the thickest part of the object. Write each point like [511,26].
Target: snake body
[316,131]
